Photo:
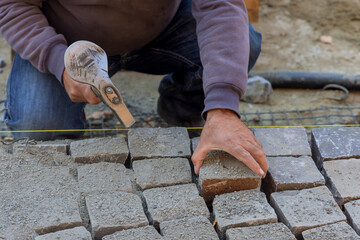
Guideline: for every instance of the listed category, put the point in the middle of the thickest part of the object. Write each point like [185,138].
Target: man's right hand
[79,92]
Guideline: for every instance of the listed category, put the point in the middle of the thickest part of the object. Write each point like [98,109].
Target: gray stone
[243,208]
[162,172]
[341,177]
[271,231]
[143,233]
[258,90]
[100,150]
[338,231]
[305,209]
[159,142]
[104,177]
[78,233]
[175,202]
[289,173]
[188,228]
[111,212]
[60,146]
[352,211]
[287,141]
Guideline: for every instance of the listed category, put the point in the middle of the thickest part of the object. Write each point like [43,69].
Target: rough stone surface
[258,90]
[78,233]
[223,173]
[305,209]
[289,173]
[336,142]
[338,231]
[271,231]
[111,212]
[175,202]
[189,228]
[159,142]
[143,233]
[341,177]
[60,146]
[104,177]
[100,150]
[243,208]
[352,211]
[162,172]
[288,141]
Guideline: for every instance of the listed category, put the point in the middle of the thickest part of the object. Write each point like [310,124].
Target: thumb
[198,157]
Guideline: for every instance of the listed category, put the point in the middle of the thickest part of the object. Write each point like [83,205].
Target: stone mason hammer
[86,62]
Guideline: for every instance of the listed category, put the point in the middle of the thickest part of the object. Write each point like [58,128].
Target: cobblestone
[162,172]
[175,202]
[111,212]
[243,208]
[305,209]
[60,146]
[289,173]
[352,211]
[271,231]
[188,228]
[338,231]
[159,142]
[100,150]
[78,233]
[143,233]
[288,141]
[222,173]
[342,176]
[104,177]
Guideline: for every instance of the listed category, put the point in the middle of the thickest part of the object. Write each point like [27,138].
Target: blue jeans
[37,101]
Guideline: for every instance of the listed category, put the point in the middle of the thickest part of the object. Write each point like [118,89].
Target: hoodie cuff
[55,61]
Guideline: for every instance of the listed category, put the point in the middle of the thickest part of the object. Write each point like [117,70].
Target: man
[156,37]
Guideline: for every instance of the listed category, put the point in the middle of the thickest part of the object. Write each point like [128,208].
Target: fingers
[90,96]
[198,157]
[256,151]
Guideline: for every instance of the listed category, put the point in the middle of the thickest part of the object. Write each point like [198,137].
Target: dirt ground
[291,32]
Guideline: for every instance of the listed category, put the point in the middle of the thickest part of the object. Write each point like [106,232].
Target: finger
[243,155]
[258,154]
[90,96]
[198,157]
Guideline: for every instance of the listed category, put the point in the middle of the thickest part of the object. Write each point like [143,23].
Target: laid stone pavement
[143,187]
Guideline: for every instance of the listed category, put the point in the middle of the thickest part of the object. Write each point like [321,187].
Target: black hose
[287,79]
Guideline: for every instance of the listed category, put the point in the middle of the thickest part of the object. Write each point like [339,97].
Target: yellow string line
[189,128]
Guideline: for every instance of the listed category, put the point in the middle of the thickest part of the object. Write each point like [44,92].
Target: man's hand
[223,130]
[79,92]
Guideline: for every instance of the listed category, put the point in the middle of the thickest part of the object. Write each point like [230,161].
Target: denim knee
[255,46]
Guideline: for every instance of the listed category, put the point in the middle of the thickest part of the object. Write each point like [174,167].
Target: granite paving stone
[162,172]
[104,177]
[78,233]
[223,173]
[243,208]
[338,231]
[307,208]
[341,177]
[271,231]
[111,212]
[159,142]
[288,141]
[143,233]
[175,202]
[188,228]
[289,173]
[352,211]
[100,150]
[60,146]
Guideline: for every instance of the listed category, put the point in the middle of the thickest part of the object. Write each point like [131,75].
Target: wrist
[214,113]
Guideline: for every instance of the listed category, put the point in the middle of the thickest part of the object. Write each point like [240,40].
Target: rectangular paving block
[175,202]
[352,211]
[243,208]
[111,212]
[338,231]
[104,177]
[162,172]
[341,177]
[271,231]
[60,146]
[188,228]
[143,233]
[306,209]
[159,142]
[78,233]
[289,173]
[287,141]
[222,173]
[100,150]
